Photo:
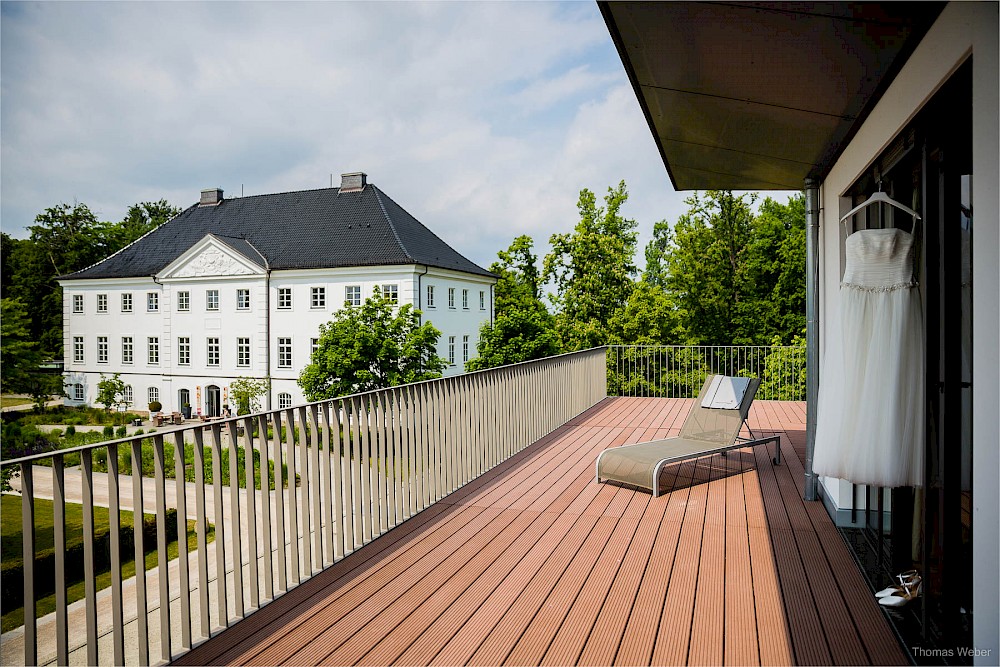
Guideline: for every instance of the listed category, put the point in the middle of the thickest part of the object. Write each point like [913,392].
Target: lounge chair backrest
[718,425]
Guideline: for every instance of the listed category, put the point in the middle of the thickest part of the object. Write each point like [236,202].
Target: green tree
[246,393]
[522,328]
[111,392]
[592,269]
[370,347]
[141,219]
[737,278]
[19,355]
[655,272]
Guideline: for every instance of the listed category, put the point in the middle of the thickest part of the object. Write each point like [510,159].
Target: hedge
[12,573]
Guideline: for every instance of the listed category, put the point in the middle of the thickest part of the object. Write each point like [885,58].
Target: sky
[482,119]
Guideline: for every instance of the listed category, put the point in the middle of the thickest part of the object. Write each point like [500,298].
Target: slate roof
[310,229]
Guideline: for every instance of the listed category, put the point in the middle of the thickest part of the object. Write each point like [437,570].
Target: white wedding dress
[870,414]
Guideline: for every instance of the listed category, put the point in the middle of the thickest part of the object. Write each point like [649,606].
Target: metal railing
[678,371]
[344,471]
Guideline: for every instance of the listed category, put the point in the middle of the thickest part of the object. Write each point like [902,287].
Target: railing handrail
[224,421]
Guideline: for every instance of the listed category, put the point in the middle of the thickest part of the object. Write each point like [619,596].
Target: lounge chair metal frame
[703,433]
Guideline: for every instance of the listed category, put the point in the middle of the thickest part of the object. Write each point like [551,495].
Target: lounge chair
[713,425]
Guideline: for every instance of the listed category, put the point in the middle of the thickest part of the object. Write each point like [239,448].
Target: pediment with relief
[210,258]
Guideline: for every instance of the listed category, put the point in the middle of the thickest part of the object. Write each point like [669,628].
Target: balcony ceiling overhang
[760,96]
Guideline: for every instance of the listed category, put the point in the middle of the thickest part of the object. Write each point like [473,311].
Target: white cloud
[482,119]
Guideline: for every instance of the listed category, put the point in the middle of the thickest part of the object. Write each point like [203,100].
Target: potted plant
[154,407]
[186,410]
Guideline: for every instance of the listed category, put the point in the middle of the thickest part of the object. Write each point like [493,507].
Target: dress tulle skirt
[870,416]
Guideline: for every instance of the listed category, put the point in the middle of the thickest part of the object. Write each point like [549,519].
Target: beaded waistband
[880,288]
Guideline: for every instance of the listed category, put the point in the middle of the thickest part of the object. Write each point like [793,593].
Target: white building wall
[300,323]
[962,30]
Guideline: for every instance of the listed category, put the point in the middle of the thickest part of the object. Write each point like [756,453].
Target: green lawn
[10,547]
[7,401]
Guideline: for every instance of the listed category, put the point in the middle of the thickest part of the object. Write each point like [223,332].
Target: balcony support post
[811,187]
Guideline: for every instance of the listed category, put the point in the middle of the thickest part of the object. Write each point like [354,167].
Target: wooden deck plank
[707,642]
[674,633]
[740,645]
[535,563]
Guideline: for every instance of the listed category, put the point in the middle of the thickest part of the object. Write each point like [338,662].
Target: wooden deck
[536,564]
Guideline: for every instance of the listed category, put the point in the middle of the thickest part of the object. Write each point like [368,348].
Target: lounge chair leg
[777,453]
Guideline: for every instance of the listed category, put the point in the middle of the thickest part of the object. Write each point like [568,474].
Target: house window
[284,353]
[126,349]
[318,297]
[102,349]
[284,400]
[213,352]
[284,298]
[465,299]
[482,300]
[102,303]
[77,303]
[127,395]
[242,299]
[153,349]
[212,299]
[391,293]
[313,346]
[184,301]
[78,392]
[184,351]
[430,296]
[153,394]
[77,349]
[352,295]
[127,302]
[242,351]
[451,350]
[451,297]
[152,302]
[465,348]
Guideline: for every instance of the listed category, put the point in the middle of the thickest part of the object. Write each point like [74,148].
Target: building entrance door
[213,401]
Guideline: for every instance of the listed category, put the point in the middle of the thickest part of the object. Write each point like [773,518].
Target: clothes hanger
[881,198]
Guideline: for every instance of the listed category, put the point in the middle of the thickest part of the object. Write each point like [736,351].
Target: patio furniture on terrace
[712,426]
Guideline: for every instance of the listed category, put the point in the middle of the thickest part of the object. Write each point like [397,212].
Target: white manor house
[239,287]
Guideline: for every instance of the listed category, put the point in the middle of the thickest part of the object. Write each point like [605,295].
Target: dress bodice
[879,259]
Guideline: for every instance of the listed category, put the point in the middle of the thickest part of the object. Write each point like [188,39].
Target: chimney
[353,182]
[211,197]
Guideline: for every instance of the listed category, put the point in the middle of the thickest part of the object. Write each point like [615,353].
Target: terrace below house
[458,521]
[534,563]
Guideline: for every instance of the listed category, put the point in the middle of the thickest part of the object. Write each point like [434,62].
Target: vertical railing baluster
[379,461]
[220,527]
[253,572]
[316,514]
[265,503]
[162,568]
[182,544]
[304,474]
[90,584]
[140,553]
[357,475]
[115,521]
[334,481]
[293,516]
[392,453]
[28,564]
[368,493]
[201,516]
[280,479]
[59,536]
[328,500]
[235,531]
[343,415]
